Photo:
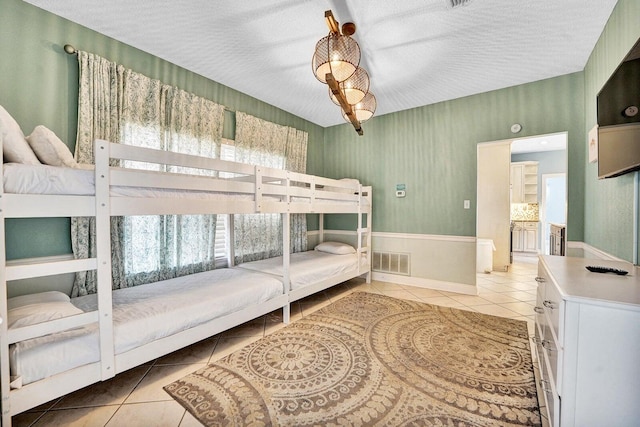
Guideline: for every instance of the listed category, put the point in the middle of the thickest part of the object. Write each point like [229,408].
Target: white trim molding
[419,282]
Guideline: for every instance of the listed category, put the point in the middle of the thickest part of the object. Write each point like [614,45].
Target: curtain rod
[72,51]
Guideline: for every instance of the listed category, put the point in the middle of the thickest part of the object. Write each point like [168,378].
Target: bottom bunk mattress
[307,268]
[142,314]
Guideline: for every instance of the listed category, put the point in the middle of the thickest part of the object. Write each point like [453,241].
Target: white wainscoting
[440,262]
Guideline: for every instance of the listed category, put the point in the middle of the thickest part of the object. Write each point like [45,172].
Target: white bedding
[307,267]
[54,180]
[142,314]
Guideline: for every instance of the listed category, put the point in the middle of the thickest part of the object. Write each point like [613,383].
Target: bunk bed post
[231,245]
[369,197]
[103,255]
[5,380]
[286,250]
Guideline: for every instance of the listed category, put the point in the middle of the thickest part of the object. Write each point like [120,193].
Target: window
[163,246]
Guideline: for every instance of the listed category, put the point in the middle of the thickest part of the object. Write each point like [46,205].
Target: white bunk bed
[102,323]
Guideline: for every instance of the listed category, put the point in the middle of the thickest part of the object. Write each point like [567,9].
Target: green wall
[432,150]
[609,203]
[39,86]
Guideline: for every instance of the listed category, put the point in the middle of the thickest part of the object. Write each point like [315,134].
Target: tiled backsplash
[524,212]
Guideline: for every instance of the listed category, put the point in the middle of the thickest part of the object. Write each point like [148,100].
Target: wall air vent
[457,3]
[391,262]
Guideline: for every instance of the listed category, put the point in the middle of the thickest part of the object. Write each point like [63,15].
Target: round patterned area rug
[370,359]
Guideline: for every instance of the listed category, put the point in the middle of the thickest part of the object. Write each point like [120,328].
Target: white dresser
[588,342]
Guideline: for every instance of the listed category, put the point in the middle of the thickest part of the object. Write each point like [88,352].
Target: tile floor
[136,397]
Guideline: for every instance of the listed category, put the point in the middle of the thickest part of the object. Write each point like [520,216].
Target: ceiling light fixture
[336,62]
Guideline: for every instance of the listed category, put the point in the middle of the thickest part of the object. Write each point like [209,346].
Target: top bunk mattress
[307,268]
[54,180]
[142,314]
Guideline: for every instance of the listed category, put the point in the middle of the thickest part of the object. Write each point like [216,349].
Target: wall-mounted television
[619,119]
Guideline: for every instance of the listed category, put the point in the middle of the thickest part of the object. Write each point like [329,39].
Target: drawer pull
[540,279]
[549,304]
[538,310]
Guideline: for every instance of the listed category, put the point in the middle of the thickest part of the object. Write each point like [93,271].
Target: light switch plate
[467,204]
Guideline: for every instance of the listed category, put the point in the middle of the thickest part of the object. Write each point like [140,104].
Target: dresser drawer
[548,389]
[553,306]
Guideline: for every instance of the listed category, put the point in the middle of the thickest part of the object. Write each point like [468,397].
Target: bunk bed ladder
[103,254]
[365,231]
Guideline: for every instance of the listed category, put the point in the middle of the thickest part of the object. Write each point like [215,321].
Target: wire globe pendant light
[336,62]
[336,54]
[354,88]
[364,109]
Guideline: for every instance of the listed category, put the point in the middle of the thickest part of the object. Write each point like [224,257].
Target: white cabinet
[530,237]
[587,338]
[517,243]
[524,182]
[524,236]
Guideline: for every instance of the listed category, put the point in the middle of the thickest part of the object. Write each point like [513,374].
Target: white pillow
[335,248]
[37,308]
[49,148]
[14,146]
[39,298]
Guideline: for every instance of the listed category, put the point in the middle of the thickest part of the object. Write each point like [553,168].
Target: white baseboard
[420,282]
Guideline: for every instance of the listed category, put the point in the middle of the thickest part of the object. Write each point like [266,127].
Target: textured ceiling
[417,52]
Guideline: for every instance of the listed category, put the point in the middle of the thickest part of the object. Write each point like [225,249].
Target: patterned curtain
[258,142]
[123,106]
[296,161]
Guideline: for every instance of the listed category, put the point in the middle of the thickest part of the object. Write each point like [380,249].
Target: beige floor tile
[189,420]
[339,291]
[499,279]
[497,297]
[424,292]
[150,388]
[386,286]
[251,328]
[496,287]
[521,295]
[78,417]
[110,392]
[400,294]
[519,286]
[163,414]
[495,310]
[309,308]
[199,352]
[482,280]
[469,300]
[317,298]
[226,346]
[25,419]
[522,308]
[442,301]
